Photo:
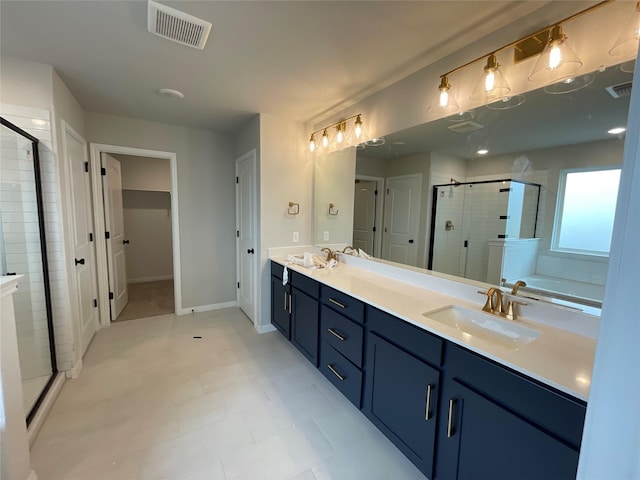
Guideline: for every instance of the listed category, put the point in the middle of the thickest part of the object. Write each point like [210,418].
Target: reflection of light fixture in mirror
[325,139]
[375,142]
[482,151]
[462,116]
[628,67]
[492,84]
[507,103]
[312,143]
[340,133]
[570,84]
[357,131]
[445,102]
[557,61]
[616,130]
[627,42]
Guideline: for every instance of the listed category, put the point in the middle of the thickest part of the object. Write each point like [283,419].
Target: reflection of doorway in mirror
[401,219]
[367,214]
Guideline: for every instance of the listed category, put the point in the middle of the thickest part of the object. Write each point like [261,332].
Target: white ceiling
[294,59]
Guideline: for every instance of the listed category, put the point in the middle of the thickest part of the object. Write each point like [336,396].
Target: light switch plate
[326,236]
[296,237]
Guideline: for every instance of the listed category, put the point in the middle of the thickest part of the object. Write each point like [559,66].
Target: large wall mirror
[521,189]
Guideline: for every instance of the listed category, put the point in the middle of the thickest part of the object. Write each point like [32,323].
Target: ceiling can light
[557,61]
[616,130]
[170,92]
[492,85]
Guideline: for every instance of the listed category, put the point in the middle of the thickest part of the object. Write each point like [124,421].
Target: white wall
[206,192]
[147,226]
[285,175]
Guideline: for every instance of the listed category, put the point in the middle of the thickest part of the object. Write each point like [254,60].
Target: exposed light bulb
[325,139]
[555,57]
[358,130]
[339,135]
[444,98]
[489,81]
[312,144]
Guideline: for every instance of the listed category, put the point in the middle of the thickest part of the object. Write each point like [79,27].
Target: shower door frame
[45,265]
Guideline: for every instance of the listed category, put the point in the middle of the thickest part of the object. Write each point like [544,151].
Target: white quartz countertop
[559,358]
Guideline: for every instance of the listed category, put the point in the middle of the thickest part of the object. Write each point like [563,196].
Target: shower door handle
[81,261]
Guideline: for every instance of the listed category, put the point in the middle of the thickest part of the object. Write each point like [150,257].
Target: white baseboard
[75,370]
[38,420]
[149,279]
[264,328]
[207,308]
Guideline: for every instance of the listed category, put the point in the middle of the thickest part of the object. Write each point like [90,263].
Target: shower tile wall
[23,118]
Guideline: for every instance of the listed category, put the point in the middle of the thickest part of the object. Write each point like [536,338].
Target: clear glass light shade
[627,42]
[491,86]
[312,144]
[570,84]
[444,104]
[557,61]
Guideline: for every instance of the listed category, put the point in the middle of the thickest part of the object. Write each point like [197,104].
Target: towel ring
[333,210]
[293,209]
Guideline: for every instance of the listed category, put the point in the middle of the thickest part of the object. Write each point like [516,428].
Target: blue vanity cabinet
[304,315]
[402,386]
[280,301]
[342,342]
[495,423]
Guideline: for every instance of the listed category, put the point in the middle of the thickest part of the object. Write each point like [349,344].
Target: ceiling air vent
[619,91]
[465,127]
[177,26]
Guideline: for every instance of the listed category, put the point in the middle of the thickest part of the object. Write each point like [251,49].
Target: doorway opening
[135,195]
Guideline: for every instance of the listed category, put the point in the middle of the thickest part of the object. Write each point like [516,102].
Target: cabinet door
[480,439]
[402,400]
[280,299]
[304,324]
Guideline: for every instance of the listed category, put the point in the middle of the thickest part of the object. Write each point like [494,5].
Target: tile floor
[154,402]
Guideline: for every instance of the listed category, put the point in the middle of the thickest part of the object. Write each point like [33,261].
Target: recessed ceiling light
[170,92]
[482,151]
[375,142]
[617,130]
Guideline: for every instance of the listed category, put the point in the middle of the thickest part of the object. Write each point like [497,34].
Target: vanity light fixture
[445,102]
[627,41]
[570,84]
[346,134]
[558,60]
[492,85]
[507,103]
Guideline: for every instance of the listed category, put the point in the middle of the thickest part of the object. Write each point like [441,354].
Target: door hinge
[103,171]
[374,229]
[95,302]
[86,167]
[107,235]
[91,237]
[387,191]
[466,243]
[111,297]
[237,180]
[375,192]
[237,233]
[238,284]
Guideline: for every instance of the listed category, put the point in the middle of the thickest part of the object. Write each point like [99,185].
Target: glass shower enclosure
[473,222]
[23,252]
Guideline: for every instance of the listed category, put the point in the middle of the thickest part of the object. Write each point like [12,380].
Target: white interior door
[246,233]
[114,221]
[401,219]
[364,215]
[83,247]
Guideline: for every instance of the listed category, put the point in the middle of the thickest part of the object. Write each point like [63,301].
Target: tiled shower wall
[23,117]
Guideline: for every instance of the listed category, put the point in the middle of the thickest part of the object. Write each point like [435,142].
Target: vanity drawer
[410,338]
[343,303]
[342,334]
[342,373]
[304,284]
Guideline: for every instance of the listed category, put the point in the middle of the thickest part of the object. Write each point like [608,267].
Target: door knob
[250,250]
[125,242]
[411,241]
[81,261]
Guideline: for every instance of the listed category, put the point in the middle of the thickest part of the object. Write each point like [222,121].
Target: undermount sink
[484,326]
